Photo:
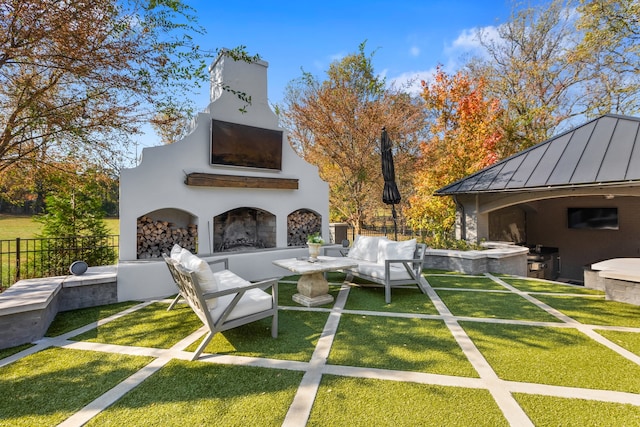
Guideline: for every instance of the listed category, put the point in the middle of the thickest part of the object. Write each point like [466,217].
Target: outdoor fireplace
[244,228]
[234,183]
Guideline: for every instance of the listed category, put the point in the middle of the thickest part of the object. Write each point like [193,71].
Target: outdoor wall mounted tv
[593,218]
[233,144]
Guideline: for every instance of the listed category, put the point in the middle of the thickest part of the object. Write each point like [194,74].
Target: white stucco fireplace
[232,187]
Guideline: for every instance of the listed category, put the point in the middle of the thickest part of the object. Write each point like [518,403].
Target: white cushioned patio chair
[235,302]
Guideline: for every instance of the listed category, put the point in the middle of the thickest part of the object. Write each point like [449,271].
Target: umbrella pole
[395,225]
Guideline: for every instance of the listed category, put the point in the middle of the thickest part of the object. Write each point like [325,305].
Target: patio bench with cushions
[385,262]
[222,300]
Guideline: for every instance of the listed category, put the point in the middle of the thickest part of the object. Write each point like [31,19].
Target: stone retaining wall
[29,306]
[505,259]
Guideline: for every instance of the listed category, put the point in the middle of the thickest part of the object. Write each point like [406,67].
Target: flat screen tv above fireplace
[233,144]
[593,218]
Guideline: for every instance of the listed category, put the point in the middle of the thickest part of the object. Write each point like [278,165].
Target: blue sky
[410,38]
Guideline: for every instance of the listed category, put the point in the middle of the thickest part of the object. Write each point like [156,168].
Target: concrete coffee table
[313,288]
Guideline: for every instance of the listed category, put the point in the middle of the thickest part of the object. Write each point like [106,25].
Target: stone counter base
[509,259]
[619,278]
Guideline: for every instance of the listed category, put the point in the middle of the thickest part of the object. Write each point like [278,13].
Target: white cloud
[410,80]
[468,42]
[414,51]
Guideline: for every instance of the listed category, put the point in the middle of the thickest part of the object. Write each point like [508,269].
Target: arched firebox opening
[244,229]
[159,230]
[300,224]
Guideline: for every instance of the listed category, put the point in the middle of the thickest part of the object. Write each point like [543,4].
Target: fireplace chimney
[234,78]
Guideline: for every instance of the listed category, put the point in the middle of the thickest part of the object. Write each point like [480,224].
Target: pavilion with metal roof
[528,197]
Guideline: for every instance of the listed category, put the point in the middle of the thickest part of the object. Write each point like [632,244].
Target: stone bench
[619,278]
[29,306]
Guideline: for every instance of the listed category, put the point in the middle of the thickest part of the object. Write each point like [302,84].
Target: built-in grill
[543,262]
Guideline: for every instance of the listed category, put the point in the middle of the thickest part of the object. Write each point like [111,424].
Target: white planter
[314,250]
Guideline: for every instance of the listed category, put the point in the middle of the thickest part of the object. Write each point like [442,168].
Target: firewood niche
[199,179]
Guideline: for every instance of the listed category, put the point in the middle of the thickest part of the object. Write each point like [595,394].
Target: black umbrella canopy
[390,193]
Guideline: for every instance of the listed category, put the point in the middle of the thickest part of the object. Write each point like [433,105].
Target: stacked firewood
[156,237]
[300,225]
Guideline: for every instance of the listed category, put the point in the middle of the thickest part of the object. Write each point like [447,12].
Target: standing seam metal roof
[603,150]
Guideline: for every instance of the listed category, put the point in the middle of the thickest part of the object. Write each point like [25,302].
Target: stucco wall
[158,185]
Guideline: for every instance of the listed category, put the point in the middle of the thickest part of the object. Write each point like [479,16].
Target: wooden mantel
[216,180]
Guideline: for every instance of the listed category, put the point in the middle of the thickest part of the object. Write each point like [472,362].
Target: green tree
[610,50]
[73,223]
[336,125]
[528,68]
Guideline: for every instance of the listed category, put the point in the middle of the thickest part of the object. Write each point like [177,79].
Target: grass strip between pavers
[403,300]
[471,282]
[555,356]
[426,271]
[595,311]
[627,340]
[422,345]
[201,394]
[528,285]
[557,411]
[151,326]
[67,321]
[49,386]
[6,352]
[493,305]
[298,334]
[363,402]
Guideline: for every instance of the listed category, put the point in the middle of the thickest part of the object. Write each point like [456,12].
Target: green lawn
[26,227]
[47,387]
[23,227]
[398,364]
[200,394]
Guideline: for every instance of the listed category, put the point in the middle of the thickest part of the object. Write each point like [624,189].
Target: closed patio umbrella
[390,193]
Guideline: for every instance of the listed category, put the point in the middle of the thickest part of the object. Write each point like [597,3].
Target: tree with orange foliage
[465,135]
[336,125]
[78,78]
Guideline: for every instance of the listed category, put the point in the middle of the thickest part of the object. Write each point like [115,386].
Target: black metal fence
[46,257]
[404,233]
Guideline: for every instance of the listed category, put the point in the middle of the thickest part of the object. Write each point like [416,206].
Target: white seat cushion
[375,270]
[253,301]
[227,279]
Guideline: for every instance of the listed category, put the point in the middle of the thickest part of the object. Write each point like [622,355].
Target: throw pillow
[389,249]
[365,248]
[176,252]
[205,276]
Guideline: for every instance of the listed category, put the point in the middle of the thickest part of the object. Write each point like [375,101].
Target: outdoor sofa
[384,262]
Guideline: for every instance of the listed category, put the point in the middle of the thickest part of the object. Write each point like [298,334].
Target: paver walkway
[300,409]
